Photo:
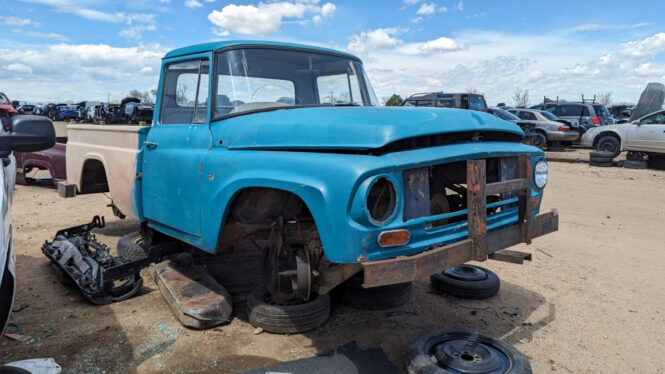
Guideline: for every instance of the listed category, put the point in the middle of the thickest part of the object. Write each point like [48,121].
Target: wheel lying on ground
[635,156]
[132,247]
[603,159]
[286,319]
[457,351]
[609,144]
[601,164]
[466,282]
[634,164]
[352,294]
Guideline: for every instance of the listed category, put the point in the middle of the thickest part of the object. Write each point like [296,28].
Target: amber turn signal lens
[393,238]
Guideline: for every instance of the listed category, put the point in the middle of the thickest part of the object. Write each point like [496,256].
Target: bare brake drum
[287,269]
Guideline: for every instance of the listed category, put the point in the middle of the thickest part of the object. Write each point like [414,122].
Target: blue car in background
[60,112]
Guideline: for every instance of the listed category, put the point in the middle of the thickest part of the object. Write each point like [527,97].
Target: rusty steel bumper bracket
[480,244]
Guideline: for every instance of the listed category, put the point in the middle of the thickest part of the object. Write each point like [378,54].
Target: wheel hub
[472,357]
[466,273]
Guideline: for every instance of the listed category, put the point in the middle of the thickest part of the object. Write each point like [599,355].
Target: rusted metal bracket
[508,255]
[476,174]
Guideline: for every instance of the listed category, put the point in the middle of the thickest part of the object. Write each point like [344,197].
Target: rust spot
[211,177]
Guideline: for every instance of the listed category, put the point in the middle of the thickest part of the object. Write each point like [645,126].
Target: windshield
[505,115]
[549,115]
[261,78]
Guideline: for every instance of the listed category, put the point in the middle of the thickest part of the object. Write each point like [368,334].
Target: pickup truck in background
[283,147]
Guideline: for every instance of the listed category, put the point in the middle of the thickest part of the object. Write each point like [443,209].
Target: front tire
[609,144]
[292,318]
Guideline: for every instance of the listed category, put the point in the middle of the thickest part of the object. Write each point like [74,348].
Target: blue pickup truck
[285,147]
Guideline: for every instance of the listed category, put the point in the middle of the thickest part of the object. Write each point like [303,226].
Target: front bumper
[422,265]
[587,139]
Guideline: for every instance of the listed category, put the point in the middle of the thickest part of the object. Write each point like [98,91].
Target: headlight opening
[381,201]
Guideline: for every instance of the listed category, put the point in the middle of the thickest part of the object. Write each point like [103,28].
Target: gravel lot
[590,302]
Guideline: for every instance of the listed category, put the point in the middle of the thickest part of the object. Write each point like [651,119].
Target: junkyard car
[282,147]
[581,115]
[27,134]
[448,100]
[548,128]
[6,109]
[60,112]
[529,128]
[646,135]
[134,111]
[26,109]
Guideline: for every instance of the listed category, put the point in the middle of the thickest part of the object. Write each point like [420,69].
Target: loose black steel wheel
[635,156]
[609,144]
[467,282]
[352,294]
[458,351]
[634,164]
[294,317]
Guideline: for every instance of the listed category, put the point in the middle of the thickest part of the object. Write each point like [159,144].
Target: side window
[585,111]
[445,103]
[656,119]
[185,93]
[522,115]
[477,102]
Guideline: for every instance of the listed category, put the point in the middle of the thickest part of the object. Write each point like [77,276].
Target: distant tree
[144,96]
[604,98]
[394,100]
[520,97]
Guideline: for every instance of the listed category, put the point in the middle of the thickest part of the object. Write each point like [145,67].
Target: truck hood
[350,128]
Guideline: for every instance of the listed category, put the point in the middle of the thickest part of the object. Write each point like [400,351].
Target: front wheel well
[604,134]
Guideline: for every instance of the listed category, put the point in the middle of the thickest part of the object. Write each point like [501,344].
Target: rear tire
[352,294]
[466,282]
[539,140]
[131,247]
[286,319]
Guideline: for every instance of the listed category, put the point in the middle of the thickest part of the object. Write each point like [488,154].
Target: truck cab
[283,148]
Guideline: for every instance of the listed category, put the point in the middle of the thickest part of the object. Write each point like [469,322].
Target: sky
[57,50]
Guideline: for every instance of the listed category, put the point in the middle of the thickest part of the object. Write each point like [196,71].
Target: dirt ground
[591,301]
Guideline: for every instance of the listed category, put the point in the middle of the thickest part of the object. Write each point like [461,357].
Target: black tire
[132,247]
[539,140]
[4,369]
[609,144]
[466,282]
[634,164]
[352,294]
[458,351]
[286,319]
[601,164]
[635,156]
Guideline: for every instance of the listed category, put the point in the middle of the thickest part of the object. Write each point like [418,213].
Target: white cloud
[410,2]
[439,45]
[460,5]
[265,18]
[416,20]
[97,68]
[78,8]
[366,41]
[43,35]
[193,4]
[328,10]
[15,21]
[426,8]
[317,19]
[443,9]
[596,27]
[646,48]
[136,32]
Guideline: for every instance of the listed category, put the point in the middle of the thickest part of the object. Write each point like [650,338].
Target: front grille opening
[441,189]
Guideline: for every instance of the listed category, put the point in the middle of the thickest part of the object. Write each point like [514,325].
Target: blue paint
[190,179]
[214,46]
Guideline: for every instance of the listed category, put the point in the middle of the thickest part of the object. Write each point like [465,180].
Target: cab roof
[213,46]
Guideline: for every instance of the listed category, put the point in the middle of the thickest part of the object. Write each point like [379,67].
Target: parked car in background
[448,100]
[61,112]
[83,109]
[581,115]
[621,112]
[26,134]
[26,109]
[134,111]
[548,128]
[7,111]
[529,128]
[646,135]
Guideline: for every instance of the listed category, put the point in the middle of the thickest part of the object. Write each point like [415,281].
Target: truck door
[174,149]
[648,135]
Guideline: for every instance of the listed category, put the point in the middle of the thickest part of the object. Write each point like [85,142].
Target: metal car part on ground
[466,282]
[646,135]
[322,184]
[458,351]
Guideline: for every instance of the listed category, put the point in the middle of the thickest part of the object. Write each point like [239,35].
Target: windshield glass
[549,115]
[262,78]
[505,115]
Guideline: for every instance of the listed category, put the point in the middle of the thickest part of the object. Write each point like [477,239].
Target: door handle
[151,145]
